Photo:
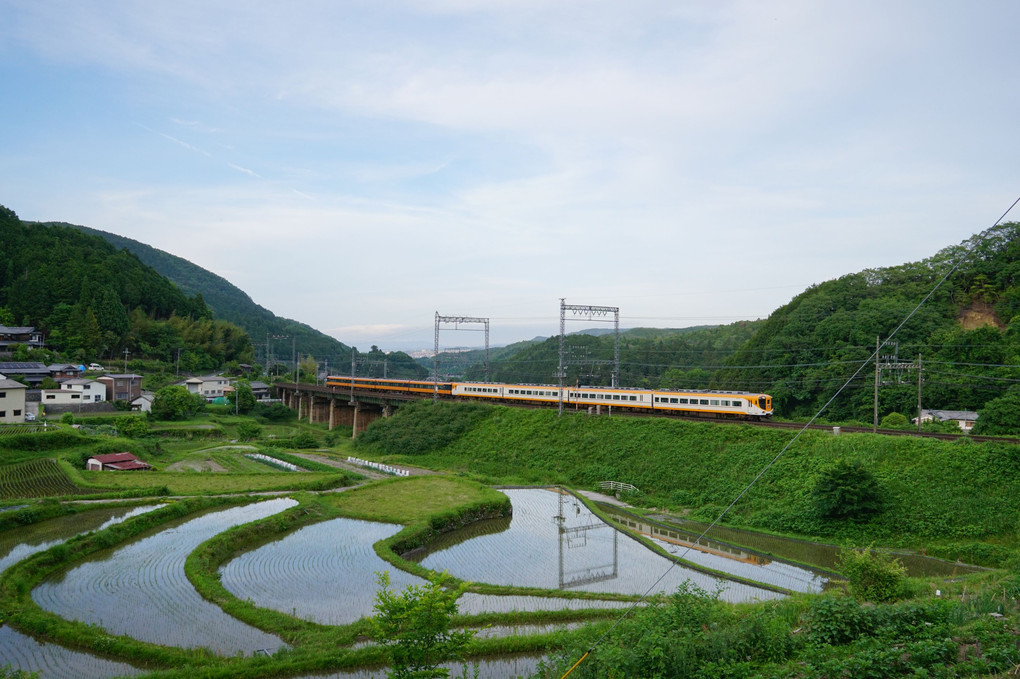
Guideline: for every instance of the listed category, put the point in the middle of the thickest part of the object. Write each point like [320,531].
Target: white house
[143,402]
[12,401]
[964,419]
[208,386]
[91,391]
[60,397]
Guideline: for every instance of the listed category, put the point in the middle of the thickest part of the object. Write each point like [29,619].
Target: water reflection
[816,554]
[511,667]
[23,542]
[324,572]
[51,661]
[555,542]
[722,556]
[140,590]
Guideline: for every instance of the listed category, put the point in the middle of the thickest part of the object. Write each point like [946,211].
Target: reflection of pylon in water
[577,536]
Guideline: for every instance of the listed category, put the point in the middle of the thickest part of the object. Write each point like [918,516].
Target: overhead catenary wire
[959,261]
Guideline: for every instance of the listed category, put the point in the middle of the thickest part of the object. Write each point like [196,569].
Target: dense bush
[847,490]
[871,575]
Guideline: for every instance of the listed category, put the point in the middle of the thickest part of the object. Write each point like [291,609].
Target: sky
[362,166]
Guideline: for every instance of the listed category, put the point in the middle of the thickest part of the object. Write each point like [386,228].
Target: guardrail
[618,486]
[396,471]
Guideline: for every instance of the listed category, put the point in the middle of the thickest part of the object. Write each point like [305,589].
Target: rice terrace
[263,558]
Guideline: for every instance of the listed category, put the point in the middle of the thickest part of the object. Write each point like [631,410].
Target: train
[727,404]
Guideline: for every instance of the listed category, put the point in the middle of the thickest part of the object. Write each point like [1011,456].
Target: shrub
[847,490]
[872,576]
[248,431]
[131,427]
[304,440]
[895,421]
[67,418]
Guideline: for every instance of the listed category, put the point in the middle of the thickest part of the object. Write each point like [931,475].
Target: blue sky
[359,166]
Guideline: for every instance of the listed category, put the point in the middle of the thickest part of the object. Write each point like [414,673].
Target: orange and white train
[735,404]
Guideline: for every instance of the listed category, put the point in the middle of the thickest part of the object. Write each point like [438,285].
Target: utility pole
[126,352]
[919,371]
[878,347]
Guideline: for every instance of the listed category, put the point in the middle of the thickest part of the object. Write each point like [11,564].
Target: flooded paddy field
[140,589]
[26,541]
[51,661]
[555,542]
[722,556]
[325,573]
[816,554]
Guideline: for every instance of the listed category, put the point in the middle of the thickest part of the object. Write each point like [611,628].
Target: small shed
[116,462]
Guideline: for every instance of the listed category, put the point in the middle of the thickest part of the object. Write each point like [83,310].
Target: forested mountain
[648,357]
[967,335]
[232,304]
[92,300]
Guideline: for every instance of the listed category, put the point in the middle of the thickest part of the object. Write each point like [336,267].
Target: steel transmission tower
[456,321]
[590,313]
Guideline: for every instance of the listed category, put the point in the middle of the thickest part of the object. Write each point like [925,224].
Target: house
[260,390]
[964,419]
[116,462]
[91,391]
[12,401]
[32,372]
[64,371]
[60,397]
[125,387]
[208,386]
[143,402]
[27,336]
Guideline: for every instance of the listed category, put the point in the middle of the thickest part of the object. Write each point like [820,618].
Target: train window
[703,402]
[633,398]
[714,402]
[682,400]
[673,400]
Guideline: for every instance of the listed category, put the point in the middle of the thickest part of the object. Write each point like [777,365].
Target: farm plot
[554,542]
[38,478]
[324,572]
[141,590]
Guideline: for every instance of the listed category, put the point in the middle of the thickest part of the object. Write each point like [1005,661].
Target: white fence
[618,486]
[273,461]
[396,471]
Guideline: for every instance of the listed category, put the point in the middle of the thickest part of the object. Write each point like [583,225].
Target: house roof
[64,366]
[23,367]
[119,376]
[114,457]
[11,384]
[122,461]
[944,415]
[16,330]
[79,380]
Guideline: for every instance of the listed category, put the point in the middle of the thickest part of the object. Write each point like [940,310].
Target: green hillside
[967,335]
[230,303]
[648,357]
[92,300]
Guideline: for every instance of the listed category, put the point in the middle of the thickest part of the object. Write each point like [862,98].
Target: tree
[131,426]
[248,430]
[415,626]
[847,490]
[242,397]
[999,416]
[175,403]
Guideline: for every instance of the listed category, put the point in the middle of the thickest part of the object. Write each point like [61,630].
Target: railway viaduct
[338,406]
